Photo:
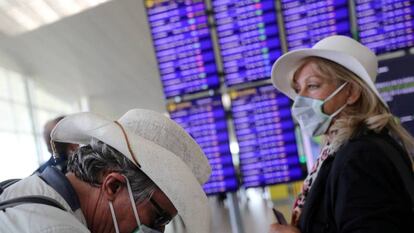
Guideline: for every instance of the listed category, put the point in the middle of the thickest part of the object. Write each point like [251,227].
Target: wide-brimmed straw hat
[342,50]
[160,147]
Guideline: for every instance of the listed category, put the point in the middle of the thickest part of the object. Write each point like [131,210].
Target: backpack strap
[34,199]
[406,174]
[7,183]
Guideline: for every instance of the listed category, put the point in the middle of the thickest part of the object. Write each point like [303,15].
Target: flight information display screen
[308,21]
[266,135]
[183,46]
[395,83]
[385,25]
[205,120]
[248,38]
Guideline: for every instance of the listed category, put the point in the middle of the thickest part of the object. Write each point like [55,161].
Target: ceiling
[104,53]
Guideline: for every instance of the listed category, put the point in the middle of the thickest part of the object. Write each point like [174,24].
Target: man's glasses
[163,217]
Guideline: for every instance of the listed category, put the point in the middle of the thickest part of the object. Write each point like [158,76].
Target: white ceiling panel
[105,53]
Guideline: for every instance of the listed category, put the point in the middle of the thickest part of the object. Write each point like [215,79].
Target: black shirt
[359,190]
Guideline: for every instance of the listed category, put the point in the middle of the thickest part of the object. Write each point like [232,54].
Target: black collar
[58,181]
[363,131]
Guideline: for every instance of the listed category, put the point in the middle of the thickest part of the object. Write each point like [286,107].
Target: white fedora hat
[342,50]
[162,150]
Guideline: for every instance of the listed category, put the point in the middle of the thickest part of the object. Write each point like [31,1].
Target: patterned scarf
[307,185]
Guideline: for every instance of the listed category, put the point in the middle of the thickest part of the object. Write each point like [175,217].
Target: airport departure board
[308,21]
[395,82]
[266,136]
[183,46]
[206,122]
[385,25]
[248,38]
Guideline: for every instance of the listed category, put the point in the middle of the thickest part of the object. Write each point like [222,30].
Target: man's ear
[112,185]
[354,93]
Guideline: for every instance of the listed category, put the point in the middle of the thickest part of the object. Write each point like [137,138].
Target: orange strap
[127,141]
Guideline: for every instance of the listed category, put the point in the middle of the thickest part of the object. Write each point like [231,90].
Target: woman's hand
[278,228]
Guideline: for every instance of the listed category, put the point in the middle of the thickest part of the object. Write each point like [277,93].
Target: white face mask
[141,228]
[308,112]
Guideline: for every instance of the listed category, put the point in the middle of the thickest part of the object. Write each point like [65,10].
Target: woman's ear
[112,185]
[354,93]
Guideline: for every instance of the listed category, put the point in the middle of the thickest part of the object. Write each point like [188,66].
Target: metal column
[234,211]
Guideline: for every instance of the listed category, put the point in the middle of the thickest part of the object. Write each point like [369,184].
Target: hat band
[128,145]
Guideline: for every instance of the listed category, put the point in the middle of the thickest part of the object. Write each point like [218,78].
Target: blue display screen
[183,46]
[248,38]
[385,25]
[266,136]
[205,120]
[308,21]
[395,82]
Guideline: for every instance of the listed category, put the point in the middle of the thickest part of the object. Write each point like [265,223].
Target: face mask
[308,112]
[141,228]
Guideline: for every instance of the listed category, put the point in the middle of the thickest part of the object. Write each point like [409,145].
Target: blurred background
[204,63]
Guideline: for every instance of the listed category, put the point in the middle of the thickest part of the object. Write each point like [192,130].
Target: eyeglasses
[163,217]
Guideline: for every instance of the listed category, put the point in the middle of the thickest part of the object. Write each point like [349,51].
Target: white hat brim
[285,67]
[173,177]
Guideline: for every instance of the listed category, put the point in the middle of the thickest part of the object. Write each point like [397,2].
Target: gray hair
[92,161]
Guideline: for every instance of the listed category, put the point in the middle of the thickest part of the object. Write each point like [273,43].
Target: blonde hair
[368,111]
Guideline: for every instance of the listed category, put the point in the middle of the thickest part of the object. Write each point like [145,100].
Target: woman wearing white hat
[132,175]
[363,178]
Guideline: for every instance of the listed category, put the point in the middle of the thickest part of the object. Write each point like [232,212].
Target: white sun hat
[342,50]
[160,147]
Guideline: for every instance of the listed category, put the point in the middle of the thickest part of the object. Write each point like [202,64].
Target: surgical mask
[308,112]
[141,227]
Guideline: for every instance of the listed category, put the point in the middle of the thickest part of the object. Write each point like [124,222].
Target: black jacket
[359,191]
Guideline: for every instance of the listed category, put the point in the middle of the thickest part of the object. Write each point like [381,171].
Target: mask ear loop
[338,111]
[335,92]
[134,208]
[111,207]
[131,198]
[333,95]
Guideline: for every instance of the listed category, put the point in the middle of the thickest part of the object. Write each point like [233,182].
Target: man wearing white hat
[132,175]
